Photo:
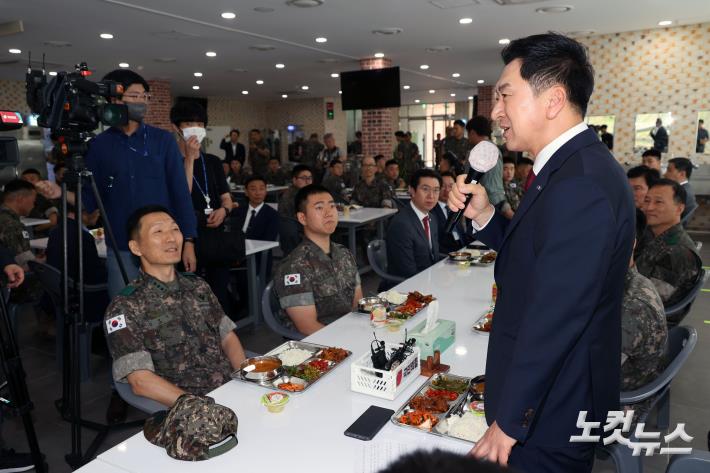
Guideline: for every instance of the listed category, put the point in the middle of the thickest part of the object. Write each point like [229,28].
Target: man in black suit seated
[679,170]
[413,235]
[458,238]
[233,149]
[258,221]
[95,303]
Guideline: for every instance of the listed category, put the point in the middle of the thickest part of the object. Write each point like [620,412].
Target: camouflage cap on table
[195,428]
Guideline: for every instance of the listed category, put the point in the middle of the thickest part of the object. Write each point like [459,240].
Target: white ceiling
[145,30]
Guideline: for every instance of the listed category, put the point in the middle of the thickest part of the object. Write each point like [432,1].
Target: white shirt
[445,208]
[234,149]
[420,216]
[249,212]
[545,154]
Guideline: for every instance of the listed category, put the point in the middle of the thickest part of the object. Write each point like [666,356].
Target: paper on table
[432,316]
[375,456]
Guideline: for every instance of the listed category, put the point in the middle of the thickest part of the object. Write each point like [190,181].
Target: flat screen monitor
[375,88]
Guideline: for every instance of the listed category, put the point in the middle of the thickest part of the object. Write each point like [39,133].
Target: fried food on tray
[422,419]
[423,403]
[334,354]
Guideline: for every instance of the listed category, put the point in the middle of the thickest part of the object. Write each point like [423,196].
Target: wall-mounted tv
[374,88]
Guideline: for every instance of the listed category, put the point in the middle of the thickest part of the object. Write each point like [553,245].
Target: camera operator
[211,199]
[136,165]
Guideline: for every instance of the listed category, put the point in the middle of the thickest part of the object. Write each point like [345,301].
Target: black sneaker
[11,461]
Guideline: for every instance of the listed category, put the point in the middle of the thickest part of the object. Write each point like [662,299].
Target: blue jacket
[133,171]
[408,251]
[554,349]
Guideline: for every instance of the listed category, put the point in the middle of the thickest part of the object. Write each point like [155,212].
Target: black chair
[269,307]
[676,312]
[681,342]
[377,257]
[50,278]
[697,461]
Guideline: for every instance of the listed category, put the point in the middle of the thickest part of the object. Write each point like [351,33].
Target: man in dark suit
[554,349]
[413,234]
[458,238]
[233,149]
[660,137]
[679,170]
[259,221]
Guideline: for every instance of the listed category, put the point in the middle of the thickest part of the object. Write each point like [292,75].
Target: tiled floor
[690,390]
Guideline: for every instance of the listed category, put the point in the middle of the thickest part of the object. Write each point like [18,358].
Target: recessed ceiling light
[480,81]
[665,22]
[504,41]
[321,39]
[455,74]
[470,97]
[424,67]
[453,95]
[340,92]
[52,73]
[195,87]
[15,51]
[335,75]
[245,92]
[280,66]
[417,100]
[465,21]
[379,54]
[259,82]
[197,74]
[284,96]
[304,87]
[405,87]
[554,9]
[210,54]
[123,64]
[431,91]
[106,36]
[228,15]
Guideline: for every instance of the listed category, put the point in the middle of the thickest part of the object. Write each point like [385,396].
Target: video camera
[72,106]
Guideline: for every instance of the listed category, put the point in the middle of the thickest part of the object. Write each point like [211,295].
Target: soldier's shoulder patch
[128,290]
[115,323]
[292,279]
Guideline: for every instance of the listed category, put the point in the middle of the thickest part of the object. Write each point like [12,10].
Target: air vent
[449,4]
[517,2]
[554,9]
[438,49]
[11,27]
[263,9]
[175,35]
[262,47]
[58,44]
[387,31]
[329,60]
[304,3]
[165,60]
[237,69]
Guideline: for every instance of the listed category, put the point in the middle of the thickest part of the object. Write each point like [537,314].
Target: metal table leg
[253,288]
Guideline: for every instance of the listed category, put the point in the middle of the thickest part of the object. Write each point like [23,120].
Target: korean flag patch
[25,234]
[115,323]
[292,280]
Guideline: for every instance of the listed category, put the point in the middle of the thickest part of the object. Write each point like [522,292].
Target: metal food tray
[476,261]
[311,347]
[455,407]
[478,324]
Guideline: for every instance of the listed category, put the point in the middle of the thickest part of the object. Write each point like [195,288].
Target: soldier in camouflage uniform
[512,187]
[44,208]
[335,183]
[166,331]
[301,176]
[318,282]
[458,143]
[408,157]
[666,254]
[371,192]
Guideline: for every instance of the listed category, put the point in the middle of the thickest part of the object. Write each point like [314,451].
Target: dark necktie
[529,180]
[251,221]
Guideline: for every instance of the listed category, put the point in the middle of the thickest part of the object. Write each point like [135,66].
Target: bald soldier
[166,331]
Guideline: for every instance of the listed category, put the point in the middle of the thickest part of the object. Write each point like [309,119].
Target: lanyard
[205,193]
[145,143]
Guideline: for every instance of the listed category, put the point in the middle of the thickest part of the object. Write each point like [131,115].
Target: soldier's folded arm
[148,384]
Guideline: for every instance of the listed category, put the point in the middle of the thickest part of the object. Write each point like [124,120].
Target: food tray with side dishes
[303,365]
[457,412]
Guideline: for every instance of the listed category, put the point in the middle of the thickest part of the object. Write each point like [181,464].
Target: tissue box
[441,337]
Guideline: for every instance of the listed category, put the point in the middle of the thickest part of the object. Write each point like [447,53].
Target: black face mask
[136,111]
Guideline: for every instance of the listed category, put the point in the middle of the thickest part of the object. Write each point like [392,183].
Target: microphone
[482,158]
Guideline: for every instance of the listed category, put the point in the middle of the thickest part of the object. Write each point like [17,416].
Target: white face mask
[197,131]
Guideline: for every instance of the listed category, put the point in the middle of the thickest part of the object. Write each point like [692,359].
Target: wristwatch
[189,240]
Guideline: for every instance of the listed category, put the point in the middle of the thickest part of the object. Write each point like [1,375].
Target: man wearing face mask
[137,165]
[211,199]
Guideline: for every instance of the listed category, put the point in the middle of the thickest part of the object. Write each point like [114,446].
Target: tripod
[74,315]
[15,382]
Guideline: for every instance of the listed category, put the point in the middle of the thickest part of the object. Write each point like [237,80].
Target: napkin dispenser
[440,337]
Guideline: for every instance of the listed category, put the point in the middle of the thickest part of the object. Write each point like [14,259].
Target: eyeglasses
[430,190]
[142,97]
[305,178]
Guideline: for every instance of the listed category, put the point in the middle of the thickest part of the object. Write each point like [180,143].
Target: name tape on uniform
[292,280]
[116,323]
